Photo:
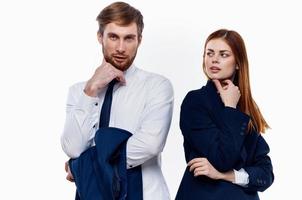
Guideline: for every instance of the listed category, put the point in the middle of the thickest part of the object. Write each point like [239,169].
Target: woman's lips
[215,69]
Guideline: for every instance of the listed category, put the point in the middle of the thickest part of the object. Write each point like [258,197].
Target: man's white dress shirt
[143,107]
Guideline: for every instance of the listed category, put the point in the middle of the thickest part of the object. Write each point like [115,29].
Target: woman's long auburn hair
[246,102]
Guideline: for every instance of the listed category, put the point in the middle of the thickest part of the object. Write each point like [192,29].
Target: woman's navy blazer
[219,133]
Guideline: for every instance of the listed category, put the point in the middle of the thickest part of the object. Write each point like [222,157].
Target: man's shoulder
[155,83]
[152,78]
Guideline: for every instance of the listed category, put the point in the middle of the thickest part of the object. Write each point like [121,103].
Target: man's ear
[100,38]
[140,39]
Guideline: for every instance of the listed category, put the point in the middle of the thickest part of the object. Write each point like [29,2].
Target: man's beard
[124,65]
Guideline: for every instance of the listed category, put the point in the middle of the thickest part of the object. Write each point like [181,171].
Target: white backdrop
[45,46]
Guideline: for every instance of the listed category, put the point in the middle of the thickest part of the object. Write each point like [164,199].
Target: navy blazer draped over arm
[100,172]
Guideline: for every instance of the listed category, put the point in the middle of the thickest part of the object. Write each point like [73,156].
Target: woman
[222,125]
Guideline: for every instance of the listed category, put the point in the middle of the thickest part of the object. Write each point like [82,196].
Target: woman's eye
[210,54]
[224,55]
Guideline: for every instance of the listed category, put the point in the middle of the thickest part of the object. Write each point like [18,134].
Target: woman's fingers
[218,85]
[197,162]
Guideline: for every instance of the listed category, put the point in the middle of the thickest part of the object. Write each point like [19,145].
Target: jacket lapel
[216,111]
[214,103]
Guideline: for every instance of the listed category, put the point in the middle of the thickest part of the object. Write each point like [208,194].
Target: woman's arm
[260,171]
[202,167]
[220,145]
[257,176]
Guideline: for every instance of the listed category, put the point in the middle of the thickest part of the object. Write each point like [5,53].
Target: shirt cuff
[88,103]
[241,177]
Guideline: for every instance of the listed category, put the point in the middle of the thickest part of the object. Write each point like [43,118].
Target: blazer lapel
[214,103]
[216,111]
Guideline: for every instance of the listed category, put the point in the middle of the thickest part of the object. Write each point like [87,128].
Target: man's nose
[121,48]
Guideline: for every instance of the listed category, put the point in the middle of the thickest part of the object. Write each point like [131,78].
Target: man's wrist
[90,90]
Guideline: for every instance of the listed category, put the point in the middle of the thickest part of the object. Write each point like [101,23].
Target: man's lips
[120,58]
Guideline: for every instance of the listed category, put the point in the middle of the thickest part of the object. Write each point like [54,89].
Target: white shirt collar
[130,71]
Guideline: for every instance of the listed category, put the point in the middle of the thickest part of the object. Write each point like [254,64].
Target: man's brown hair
[122,14]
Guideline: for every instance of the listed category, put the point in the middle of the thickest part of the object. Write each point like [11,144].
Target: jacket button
[241,133]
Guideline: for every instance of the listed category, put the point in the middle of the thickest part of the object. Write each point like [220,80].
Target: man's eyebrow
[130,36]
[112,34]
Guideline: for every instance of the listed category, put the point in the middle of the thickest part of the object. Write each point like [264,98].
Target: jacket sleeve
[260,170]
[220,145]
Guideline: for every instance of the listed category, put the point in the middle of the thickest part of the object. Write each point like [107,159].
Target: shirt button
[96,104]
[130,166]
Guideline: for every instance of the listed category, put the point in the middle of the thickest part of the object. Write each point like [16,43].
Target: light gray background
[46,46]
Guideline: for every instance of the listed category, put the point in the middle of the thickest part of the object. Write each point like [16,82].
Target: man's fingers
[66,166]
[120,77]
[69,178]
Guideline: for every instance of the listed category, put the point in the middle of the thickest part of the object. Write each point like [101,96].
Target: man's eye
[112,37]
[129,39]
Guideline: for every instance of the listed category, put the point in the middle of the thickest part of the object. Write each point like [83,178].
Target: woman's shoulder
[195,96]
[206,96]
[198,93]
[202,92]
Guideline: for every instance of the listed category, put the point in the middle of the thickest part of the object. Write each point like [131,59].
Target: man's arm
[82,114]
[82,111]
[150,138]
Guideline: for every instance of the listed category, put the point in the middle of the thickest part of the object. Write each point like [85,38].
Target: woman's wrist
[228,176]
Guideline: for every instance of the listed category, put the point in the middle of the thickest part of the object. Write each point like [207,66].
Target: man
[142,102]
